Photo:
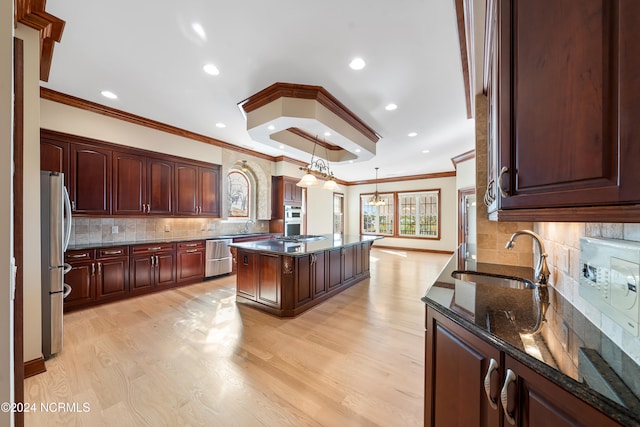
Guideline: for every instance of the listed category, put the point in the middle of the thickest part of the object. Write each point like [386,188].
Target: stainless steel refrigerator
[55,229]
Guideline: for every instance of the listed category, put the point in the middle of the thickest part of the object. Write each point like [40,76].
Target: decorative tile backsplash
[106,230]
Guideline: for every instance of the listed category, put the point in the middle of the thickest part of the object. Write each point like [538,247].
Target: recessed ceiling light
[211,69]
[271,127]
[350,161]
[282,147]
[357,150]
[109,94]
[327,134]
[197,28]
[391,107]
[220,125]
[412,134]
[425,151]
[357,64]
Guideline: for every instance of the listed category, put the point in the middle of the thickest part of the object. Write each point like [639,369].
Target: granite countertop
[544,331]
[326,242]
[82,246]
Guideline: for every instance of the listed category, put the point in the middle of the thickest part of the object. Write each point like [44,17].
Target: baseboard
[397,248]
[34,367]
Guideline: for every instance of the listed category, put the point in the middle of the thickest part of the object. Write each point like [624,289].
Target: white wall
[448,212]
[63,118]
[6,219]
[466,174]
[31,207]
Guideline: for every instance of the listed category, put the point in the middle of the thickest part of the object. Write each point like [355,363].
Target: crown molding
[32,14]
[467,155]
[404,178]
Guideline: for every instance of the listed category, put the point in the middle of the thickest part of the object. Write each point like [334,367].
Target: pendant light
[318,167]
[375,200]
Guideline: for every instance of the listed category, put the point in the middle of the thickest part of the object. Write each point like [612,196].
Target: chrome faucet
[246,225]
[542,269]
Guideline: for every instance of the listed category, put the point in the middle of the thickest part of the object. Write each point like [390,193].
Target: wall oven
[292,220]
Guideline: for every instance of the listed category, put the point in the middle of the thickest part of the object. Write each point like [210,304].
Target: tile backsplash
[106,230]
[561,239]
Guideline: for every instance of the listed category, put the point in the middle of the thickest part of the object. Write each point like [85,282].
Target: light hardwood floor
[191,356]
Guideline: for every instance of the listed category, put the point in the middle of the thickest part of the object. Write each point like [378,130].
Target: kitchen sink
[493,279]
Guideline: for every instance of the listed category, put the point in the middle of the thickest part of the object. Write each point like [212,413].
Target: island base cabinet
[286,285]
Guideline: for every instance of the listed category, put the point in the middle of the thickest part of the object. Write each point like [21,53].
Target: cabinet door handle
[156,261]
[99,268]
[152,261]
[73,205]
[502,172]
[93,268]
[493,366]
[510,377]
[148,208]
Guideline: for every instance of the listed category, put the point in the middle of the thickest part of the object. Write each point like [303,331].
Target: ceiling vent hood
[301,116]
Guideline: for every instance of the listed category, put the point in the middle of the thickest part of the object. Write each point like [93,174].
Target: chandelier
[321,168]
[375,200]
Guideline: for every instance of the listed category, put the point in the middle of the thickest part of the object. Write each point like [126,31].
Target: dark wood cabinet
[159,186]
[90,180]
[334,268]
[54,156]
[348,263]
[268,291]
[292,194]
[197,190]
[129,184]
[284,192]
[152,266]
[81,278]
[104,179]
[190,261]
[457,363]
[564,104]
[310,280]
[246,280]
[112,272]
[464,377]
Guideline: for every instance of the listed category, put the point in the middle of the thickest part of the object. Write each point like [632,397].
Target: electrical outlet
[114,229]
[167,228]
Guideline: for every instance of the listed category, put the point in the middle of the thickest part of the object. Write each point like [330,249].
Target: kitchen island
[288,276]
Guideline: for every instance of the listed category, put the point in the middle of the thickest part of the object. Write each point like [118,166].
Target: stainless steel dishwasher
[218,257]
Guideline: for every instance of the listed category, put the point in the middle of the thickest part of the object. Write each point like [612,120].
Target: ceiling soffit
[299,116]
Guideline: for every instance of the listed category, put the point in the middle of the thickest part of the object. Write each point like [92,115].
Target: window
[377,219]
[419,214]
[239,194]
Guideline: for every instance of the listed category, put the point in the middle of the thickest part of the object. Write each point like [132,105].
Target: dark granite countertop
[82,246]
[567,348]
[283,247]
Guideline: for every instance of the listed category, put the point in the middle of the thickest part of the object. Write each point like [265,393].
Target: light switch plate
[114,229]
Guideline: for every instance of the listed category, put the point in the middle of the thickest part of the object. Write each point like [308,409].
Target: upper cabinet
[564,102]
[106,179]
[198,190]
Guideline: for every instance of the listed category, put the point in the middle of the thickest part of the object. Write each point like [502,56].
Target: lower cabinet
[287,285]
[468,382]
[152,266]
[190,261]
[96,275]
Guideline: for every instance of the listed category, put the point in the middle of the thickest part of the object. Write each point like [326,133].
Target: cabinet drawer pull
[190,251]
[493,366]
[156,248]
[118,252]
[190,245]
[502,172]
[510,377]
[84,255]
